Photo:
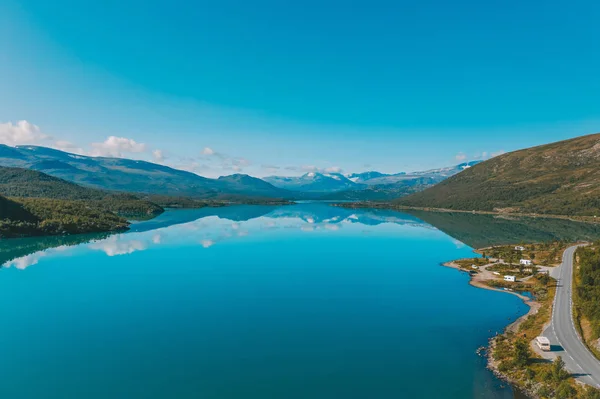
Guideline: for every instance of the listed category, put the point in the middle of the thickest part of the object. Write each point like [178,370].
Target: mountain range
[313,182]
[132,176]
[45,191]
[119,174]
[371,185]
[561,178]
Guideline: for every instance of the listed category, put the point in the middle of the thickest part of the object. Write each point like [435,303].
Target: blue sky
[276,87]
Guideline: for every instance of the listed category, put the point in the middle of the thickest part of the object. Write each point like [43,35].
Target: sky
[283,88]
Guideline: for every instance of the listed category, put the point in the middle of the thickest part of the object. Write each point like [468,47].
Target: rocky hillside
[561,178]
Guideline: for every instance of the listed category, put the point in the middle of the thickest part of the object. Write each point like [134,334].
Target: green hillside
[561,178]
[25,183]
[42,216]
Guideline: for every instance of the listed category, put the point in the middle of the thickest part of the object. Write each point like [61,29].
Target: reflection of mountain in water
[308,212]
[238,213]
[479,231]
[473,230]
[324,213]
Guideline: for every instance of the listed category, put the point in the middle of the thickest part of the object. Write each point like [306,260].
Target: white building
[512,279]
[525,262]
[519,248]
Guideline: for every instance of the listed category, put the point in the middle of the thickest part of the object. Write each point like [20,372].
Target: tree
[558,372]
[591,393]
[565,391]
[522,353]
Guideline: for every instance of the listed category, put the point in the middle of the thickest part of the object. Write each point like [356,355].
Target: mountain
[128,175]
[436,175]
[240,183]
[561,178]
[25,183]
[313,182]
[364,176]
[383,192]
[384,187]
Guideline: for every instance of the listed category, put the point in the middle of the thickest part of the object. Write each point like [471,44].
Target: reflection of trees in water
[14,248]
[472,229]
[479,231]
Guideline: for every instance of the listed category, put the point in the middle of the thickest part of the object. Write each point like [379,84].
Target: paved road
[562,333]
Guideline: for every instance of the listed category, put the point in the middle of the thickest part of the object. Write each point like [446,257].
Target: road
[561,332]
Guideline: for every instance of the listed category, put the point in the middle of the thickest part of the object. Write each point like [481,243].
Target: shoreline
[533,305]
[492,363]
[384,205]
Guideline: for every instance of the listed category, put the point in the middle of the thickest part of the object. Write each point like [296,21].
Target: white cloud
[241,162]
[270,168]
[316,169]
[117,146]
[495,154]
[208,151]
[21,132]
[67,146]
[192,166]
[460,157]
[158,156]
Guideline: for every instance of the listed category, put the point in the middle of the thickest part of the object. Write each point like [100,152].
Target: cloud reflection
[213,226]
[118,245]
[207,243]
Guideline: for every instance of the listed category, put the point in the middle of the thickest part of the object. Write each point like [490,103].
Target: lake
[300,301]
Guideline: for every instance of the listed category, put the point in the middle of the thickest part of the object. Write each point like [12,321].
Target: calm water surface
[303,301]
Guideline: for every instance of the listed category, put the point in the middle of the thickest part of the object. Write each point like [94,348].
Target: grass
[510,353]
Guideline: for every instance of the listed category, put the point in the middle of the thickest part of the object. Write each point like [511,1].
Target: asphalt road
[562,334]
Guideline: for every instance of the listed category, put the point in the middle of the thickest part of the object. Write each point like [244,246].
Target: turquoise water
[303,301]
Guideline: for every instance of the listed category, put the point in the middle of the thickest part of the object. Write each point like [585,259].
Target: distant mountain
[240,183]
[560,178]
[128,175]
[377,186]
[364,176]
[313,182]
[383,192]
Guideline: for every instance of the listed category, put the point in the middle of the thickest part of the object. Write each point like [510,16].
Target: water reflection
[14,250]
[208,227]
[479,231]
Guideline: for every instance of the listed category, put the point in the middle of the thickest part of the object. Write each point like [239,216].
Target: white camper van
[543,343]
